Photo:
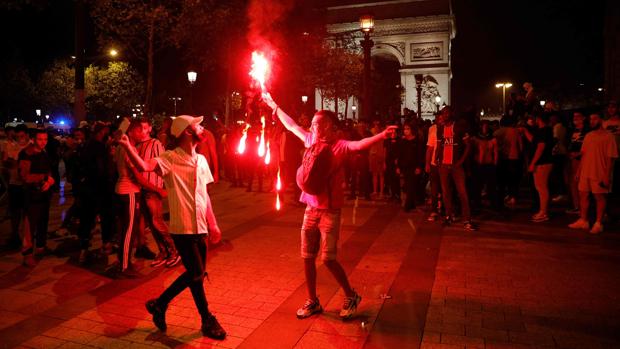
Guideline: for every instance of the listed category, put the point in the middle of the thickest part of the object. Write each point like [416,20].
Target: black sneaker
[448,220]
[350,306]
[159,314]
[212,329]
[311,307]
[144,252]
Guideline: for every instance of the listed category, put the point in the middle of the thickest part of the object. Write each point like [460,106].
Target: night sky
[547,42]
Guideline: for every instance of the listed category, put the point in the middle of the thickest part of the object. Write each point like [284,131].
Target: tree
[142,27]
[16,90]
[112,90]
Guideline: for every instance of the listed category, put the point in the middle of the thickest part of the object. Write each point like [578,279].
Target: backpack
[313,174]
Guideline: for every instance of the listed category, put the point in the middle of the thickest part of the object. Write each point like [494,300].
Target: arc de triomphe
[417,33]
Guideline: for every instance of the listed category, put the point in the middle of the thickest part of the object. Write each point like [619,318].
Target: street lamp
[304,99]
[367,25]
[542,103]
[354,109]
[437,101]
[113,52]
[503,86]
[191,77]
[419,78]
[175,99]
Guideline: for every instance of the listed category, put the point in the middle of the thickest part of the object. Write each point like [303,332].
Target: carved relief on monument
[426,51]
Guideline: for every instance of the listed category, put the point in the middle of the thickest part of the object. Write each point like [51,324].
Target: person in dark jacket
[411,163]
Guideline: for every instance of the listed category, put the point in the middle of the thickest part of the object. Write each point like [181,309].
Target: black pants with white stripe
[193,251]
[128,214]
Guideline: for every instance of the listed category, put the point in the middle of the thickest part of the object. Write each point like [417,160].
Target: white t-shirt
[186,177]
[598,150]
[432,141]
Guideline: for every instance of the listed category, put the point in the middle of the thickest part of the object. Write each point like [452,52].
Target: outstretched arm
[286,120]
[368,141]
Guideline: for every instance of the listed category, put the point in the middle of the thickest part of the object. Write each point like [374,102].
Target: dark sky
[543,41]
[548,42]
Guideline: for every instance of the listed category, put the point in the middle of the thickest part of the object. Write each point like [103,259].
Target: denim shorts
[319,233]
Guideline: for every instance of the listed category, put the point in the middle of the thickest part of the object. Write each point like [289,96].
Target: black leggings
[193,252]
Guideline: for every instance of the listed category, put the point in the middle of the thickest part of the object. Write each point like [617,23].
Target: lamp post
[367,25]
[503,86]
[354,109]
[191,77]
[418,87]
[174,100]
[437,101]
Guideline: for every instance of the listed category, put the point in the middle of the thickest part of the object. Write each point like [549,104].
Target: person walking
[599,151]
[192,221]
[321,225]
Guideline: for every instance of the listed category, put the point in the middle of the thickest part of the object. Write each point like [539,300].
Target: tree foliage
[109,91]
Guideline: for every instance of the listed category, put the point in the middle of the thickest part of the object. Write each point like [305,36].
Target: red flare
[261,145]
[244,136]
[260,67]
[267,155]
[278,181]
[278,205]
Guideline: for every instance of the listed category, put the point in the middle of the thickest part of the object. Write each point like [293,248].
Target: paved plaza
[510,285]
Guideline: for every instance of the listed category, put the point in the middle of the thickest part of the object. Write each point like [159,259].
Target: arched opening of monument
[387,88]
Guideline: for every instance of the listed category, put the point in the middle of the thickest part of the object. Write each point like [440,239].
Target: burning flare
[278,205]
[261,144]
[267,155]
[278,182]
[244,136]
[260,67]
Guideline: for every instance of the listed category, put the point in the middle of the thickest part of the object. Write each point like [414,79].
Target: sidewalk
[511,285]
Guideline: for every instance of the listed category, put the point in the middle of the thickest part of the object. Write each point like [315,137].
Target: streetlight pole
[175,99]
[367,25]
[437,101]
[418,88]
[503,86]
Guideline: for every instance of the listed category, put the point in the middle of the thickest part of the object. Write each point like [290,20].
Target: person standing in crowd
[599,151]
[432,170]
[559,175]
[35,169]
[71,157]
[612,124]
[377,162]
[10,158]
[207,148]
[186,175]
[541,163]
[321,224]
[411,159]
[360,166]
[392,173]
[452,147]
[95,192]
[578,134]
[531,101]
[486,156]
[152,193]
[510,146]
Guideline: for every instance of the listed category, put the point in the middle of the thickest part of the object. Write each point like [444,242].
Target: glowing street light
[304,99]
[542,103]
[113,52]
[191,76]
[503,86]
[354,109]
[437,102]
[47,117]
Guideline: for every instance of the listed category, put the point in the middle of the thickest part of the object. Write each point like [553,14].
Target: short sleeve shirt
[186,177]
[597,149]
[544,135]
[333,198]
[432,142]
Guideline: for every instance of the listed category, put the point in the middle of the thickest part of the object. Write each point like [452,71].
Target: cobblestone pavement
[510,285]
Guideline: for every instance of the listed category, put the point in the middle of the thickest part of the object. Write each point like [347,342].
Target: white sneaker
[596,228]
[580,224]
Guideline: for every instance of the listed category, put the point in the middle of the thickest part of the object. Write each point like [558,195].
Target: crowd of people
[123,175]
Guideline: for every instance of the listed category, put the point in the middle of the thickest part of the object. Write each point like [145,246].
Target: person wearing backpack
[320,178]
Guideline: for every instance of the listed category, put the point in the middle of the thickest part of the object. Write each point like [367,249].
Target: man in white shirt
[599,151]
[186,175]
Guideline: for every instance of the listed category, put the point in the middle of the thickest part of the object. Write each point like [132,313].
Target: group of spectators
[534,154]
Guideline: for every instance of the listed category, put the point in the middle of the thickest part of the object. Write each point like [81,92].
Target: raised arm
[286,120]
[144,166]
[368,141]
